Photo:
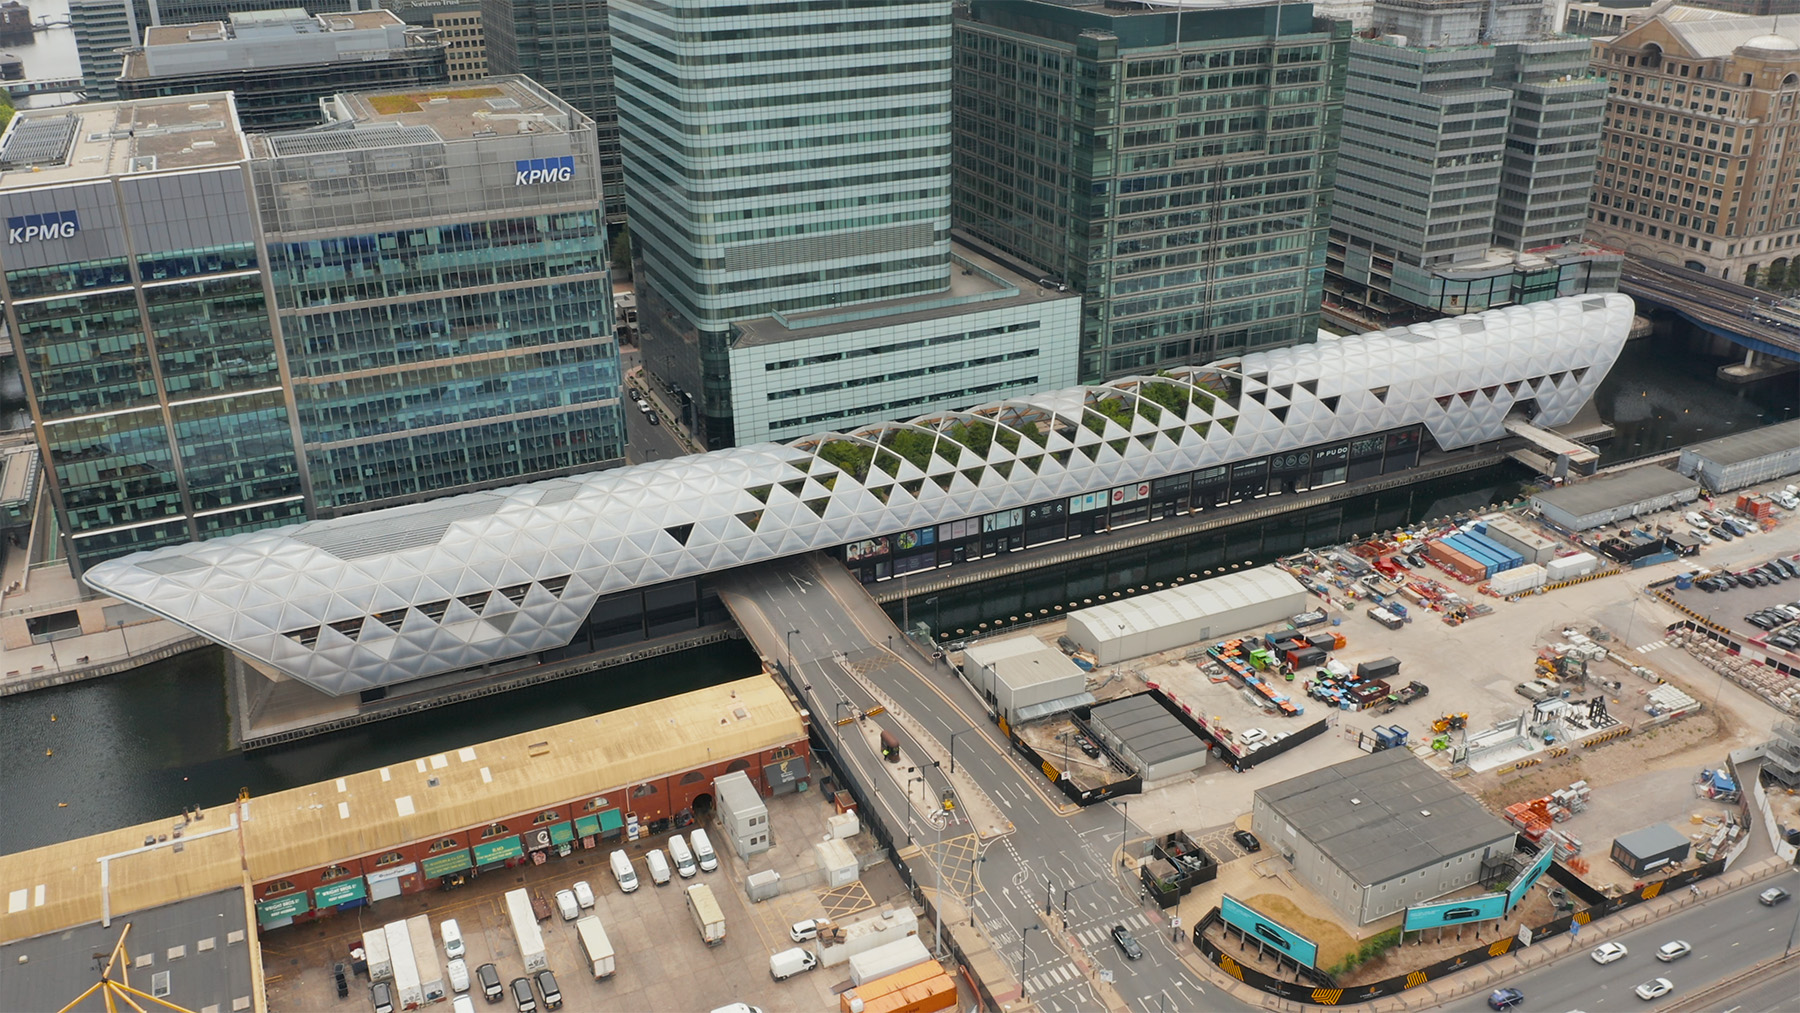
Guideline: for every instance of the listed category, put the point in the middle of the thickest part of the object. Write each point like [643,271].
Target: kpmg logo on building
[31,228]
[533,171]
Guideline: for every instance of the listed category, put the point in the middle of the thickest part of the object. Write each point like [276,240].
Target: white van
[684,859]
[659,866]
[623,872]
[703,852]
[788,963]
[453,940]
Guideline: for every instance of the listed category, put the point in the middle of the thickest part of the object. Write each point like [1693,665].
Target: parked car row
[1772,572]
[691,855]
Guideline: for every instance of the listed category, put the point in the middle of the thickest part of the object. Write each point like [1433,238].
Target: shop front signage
[489,852]
[281,909]
[345,892]
[446,863]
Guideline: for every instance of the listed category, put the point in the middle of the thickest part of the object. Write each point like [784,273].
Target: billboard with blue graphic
[1486,907]
[532,171]
[31,228]
[1270,933]
[1527,879]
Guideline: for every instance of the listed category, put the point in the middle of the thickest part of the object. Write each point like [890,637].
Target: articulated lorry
[525,931]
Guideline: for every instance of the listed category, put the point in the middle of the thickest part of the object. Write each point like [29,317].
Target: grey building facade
[1377,833]
[1470,140]
[1176,169]
[103,27]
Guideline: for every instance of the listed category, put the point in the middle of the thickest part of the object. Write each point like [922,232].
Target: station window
[333,872]
[493,830]
[595,804]
[782,753]
[391,858]
[692,777]
[279,886]
[447,844]
[547,817]
[642,790]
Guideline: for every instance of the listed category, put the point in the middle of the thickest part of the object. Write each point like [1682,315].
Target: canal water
[138,746]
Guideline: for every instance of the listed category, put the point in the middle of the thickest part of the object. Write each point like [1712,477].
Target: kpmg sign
[1269,933]
[533,171]
[31,228]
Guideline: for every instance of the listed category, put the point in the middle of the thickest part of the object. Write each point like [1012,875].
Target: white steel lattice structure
[379,598]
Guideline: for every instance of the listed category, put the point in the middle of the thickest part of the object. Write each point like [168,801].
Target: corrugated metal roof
[1626,487]
[380,809]
[1748,446]
[1116,620]
[1718,36]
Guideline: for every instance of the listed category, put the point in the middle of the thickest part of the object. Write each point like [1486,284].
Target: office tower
[1699,164]
[221,332]
[788,174]
[1467,161]
[104,27]
[565,46]
[135,298]
[280,63]
[1173,167]
[460,28]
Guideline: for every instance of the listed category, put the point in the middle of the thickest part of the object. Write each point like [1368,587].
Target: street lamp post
[793,664]
[1024,935]
[953,736]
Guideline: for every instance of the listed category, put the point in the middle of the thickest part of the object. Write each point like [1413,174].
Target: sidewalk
[91,655]
[1484,976]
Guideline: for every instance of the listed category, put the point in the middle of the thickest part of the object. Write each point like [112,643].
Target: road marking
[1651,646]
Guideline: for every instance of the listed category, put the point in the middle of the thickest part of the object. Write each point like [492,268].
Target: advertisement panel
[281,909]
[1486,907]
[1533,872]
[345,892]
[1285,941]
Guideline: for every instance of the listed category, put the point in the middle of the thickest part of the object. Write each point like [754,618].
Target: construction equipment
[1450,723]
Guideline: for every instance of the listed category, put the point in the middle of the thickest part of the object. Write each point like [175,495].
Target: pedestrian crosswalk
[1056,977]
[1653,645]
[1099,934]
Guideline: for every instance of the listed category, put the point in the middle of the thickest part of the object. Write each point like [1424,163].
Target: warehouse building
[1153,740]
[1024,679]
[1377,833]
[1529,544]
[1741,459]
[1187,614]
[1644,851]
[1615,498]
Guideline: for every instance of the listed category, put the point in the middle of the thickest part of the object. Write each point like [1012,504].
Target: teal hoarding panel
[1486,907]
[1270,933]
[1533,872]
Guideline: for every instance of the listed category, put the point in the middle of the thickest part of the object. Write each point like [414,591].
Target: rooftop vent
[1356,801]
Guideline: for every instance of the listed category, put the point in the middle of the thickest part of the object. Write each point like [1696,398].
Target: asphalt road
[1729,933]
[1712,301]
[1048,858]
[643,441]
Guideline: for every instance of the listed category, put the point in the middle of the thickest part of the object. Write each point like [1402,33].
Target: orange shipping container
[922,988]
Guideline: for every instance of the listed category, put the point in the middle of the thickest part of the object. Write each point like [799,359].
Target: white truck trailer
[407,993]
[886,959]
[425,958]
[598,948]
[525,931]
[375,951]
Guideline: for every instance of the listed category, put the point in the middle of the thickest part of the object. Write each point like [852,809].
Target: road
[1065,861]
[643,441]
[1729,933]
[1715,303]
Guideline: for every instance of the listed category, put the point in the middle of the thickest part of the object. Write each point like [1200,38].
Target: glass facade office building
[1175,168]
[218,336]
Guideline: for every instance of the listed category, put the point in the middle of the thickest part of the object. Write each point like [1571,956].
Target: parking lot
[662,964]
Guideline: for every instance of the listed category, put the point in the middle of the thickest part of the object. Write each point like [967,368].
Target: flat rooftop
[1147,729]
[497,106]
[1749,445]
[254,40]
[977,283]
[216,969]
[1633,486]
[94,141]
[1383,815]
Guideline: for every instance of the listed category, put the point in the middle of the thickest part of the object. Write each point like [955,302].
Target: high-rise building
[460,28]
[220,332]
[792,166]
[1700,164]
[280,63]
[564,45]
[1173,167]
[103,28]
[1467,160]
[134,293]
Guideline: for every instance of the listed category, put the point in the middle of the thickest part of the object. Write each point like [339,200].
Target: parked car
[1655,988]
[1721,534]
[458,972]
[1606,953]
[1247,841]
[567,906]
[584,894]
[381,997]
[1673,950]
[489,977]
[800,932]
[546,982]
[651,418]
[1505,998]
[522,995]
[1772,896]
[1128,943]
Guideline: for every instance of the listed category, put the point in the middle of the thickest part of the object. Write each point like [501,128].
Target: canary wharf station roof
[374,599]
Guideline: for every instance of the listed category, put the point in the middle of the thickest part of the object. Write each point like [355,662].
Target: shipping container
[1507,556]
[1381,668]
[407,993]
[526,932]
[1518,579]
[1454,561]
[1568,567]
[922,988]
[841,942]
[886,959]
[425,958]
[596,946]
[375,951]
[1534,547]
